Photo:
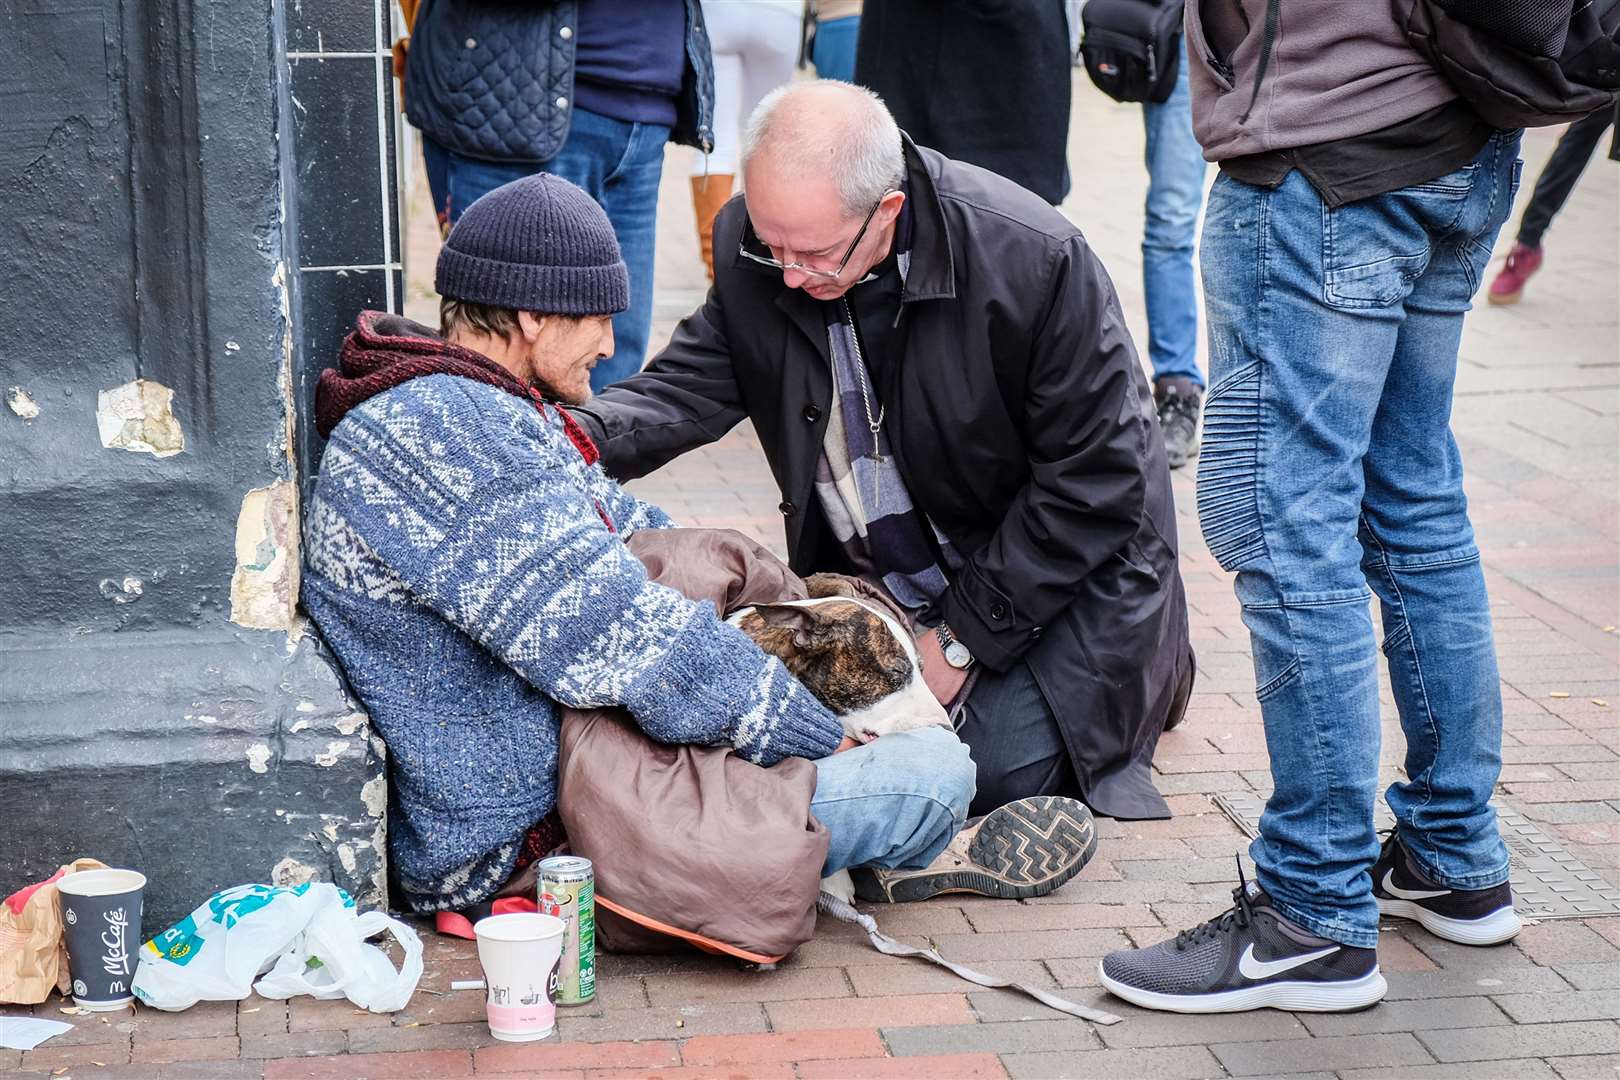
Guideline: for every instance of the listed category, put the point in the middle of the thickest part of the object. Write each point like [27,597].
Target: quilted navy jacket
[495,81]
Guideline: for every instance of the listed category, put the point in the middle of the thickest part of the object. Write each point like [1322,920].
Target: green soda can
[568,891]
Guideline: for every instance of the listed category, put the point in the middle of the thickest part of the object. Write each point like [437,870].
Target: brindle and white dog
[849,646]
[853,651]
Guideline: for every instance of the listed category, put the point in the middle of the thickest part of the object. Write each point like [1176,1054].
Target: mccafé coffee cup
[101,916]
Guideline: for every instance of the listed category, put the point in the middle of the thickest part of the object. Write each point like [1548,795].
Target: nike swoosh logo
[1399,893]
[1255,970]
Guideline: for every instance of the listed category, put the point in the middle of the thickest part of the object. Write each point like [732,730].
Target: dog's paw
[840,885]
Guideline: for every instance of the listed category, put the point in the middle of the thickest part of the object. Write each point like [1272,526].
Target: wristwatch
[956,653]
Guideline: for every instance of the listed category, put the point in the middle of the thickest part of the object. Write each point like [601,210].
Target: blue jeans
[620,164]
[894,802]
[1175,164]
[833,51]
[1329,468]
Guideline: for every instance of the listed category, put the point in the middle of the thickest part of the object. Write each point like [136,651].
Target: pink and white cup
[520,953]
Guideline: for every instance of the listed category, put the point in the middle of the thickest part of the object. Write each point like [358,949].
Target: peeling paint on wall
[21,404]
[334,750]
[126,592]
[139,417]
[345,855]
[374,796]
[264,588]
[350,723]
[290,872]
[258,756]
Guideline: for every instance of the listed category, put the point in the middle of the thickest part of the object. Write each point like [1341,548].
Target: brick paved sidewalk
[1537,417]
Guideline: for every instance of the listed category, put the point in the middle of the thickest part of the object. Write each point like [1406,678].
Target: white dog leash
[885,944]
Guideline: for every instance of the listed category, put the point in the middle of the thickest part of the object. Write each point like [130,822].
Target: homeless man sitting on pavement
[940,375]
[467,561]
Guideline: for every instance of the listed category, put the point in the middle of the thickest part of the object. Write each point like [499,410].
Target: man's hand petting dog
[943,681]
[847,744]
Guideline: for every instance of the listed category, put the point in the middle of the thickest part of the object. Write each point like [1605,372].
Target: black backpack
[1132,47]
[1521,63]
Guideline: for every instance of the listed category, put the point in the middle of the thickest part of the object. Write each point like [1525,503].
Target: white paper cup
[101,919]
[520,954]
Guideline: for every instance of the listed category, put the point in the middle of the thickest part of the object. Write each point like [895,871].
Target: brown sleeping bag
[692,843]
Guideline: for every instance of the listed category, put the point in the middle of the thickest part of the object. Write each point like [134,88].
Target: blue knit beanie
[537,244]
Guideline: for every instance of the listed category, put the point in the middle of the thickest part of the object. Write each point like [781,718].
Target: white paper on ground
[27,1032]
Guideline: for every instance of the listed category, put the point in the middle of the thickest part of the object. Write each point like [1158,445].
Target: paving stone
[916,977]
[261,1016]
[50,1057]
[339,1014]
[1030,944]
[295,1044]
[1570,1005]
[1516,1069]
[1523,1040]
[206,1019]
[209,1070]
[1016,917]
[1143,1027]
[393,1040]
[1526,979]
[1010,1038]
[980,1066]
[529,1058]
[219,1048]
[1161,1063]
[669,1022]
[1451,1012]
[903,1010]
[782,1046]
[1585,1067]
[408,1066]
[706,987]
[1592,976]
[1565,941]
[1339,1052]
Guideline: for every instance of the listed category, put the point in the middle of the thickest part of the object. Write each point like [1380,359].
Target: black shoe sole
[1026,848]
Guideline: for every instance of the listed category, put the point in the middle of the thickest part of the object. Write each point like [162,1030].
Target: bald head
[827,130]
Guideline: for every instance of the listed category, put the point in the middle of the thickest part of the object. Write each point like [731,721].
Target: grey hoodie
[1332,69]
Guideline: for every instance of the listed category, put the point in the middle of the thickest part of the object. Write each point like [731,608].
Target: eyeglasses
[811,271]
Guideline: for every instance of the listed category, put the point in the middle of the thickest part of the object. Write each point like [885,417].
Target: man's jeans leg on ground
[1329,466]
[894,802]
[1176,168]
[620,164]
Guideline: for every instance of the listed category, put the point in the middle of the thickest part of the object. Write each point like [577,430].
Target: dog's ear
[817,586]
[800,620]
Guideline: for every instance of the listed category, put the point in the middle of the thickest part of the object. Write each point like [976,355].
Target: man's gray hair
[860,153]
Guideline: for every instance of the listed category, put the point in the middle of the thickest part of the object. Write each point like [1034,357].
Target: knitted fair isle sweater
[459,567]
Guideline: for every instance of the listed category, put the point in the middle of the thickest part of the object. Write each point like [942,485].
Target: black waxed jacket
[1022,423]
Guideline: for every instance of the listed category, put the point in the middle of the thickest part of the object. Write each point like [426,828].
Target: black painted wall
[198,197]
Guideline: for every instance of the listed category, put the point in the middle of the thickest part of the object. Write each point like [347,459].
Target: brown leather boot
[709,194]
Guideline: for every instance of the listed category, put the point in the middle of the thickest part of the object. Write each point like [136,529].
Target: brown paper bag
[33,957]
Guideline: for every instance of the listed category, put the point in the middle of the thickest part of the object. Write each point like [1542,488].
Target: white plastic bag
[310,938]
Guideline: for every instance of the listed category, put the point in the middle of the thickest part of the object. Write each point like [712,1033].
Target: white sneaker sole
[1493,929]
[1292,996]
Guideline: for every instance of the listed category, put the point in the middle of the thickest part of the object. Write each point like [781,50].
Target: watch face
[957,655]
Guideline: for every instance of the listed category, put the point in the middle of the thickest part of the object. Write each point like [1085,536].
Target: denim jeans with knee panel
[1329,474]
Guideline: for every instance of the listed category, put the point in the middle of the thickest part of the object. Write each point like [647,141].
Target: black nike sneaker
[1024,848]
[1250,957]
[1466,916]
[1178,403]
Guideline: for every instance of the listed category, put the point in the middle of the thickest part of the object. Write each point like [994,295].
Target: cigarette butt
[99,1064]
[1600,703]
[467,984]
[255,1008]
[71,1010]
[1560,694]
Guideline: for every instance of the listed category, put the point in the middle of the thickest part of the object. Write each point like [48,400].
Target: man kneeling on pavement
[466,560]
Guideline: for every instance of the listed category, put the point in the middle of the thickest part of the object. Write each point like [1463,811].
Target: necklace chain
[875,425]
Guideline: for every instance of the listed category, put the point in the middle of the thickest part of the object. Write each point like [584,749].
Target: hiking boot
[1025,848]
[1466,916]
[1250,957]
[1509,284]
[1179,403]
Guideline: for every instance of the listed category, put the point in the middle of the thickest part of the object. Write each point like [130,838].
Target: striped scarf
[859,486]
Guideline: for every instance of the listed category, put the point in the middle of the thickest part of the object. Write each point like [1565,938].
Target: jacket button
[566,33]
[788,509]
[472,43]
[1036,631]
[998,611]
[562,103]
[812,413]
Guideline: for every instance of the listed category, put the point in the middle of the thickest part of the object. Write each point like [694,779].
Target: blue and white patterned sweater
[458,566]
